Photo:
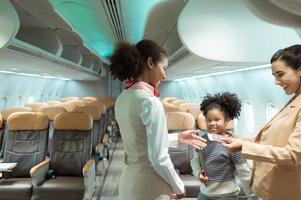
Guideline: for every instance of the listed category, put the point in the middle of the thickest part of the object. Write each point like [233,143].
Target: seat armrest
[89,179]
[38,172]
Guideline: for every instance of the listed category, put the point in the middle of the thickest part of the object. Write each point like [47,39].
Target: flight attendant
[148,173]
[276,150]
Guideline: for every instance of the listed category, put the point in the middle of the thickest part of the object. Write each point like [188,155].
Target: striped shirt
[218,163]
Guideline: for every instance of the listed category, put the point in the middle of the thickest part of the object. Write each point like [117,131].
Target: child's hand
[203,178]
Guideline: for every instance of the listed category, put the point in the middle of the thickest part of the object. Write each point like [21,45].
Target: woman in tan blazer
[276,150]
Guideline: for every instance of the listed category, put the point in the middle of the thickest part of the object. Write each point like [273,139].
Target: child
[214,165]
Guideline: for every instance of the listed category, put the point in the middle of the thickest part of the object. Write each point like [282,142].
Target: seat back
[96,115]
[51,112]
[26,141]
[5,114]
[195,111]
[168,107]
[102,122]
[182,154]
[71,143]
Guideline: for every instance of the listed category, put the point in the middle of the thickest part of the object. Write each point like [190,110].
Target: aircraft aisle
[109,189]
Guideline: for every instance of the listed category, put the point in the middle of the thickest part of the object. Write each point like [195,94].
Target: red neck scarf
[141,85]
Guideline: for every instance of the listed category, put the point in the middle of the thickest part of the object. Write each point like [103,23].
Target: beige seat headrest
[102,107]
[21,121]
[186,106]
[170,108]
[35,106]
[73,121]
[6,112]
[69,106]
[90,98]
[201,123]
[1,122]
[179,121]
[168,99]
[195,111]
[178,102]
[53,102]
[52,111]
[72,98]
[94,111]
[105,102]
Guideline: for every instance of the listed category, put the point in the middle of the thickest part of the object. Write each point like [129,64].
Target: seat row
[70,157]
[102,117]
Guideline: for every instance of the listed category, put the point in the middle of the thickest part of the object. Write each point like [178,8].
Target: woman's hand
[203,178]
[189,137]
[232,144]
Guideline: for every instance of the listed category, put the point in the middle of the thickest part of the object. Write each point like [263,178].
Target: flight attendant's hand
[232,144]
[189,137]
[203,178]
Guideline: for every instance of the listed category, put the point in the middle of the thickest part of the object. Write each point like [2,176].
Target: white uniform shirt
[158,141]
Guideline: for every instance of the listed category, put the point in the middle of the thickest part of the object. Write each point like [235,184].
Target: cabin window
[249,116]
[271,110]
[30,99]
[3,103]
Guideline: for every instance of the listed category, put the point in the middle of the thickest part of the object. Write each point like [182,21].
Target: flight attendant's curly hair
[128,61]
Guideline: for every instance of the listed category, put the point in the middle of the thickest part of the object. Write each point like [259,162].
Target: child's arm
[195,164]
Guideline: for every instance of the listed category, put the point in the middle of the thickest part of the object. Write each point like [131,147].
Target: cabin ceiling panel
[95,21]
[134,15]
[228,31]
[88,19]
[162,20]
[193,65]
[284,13]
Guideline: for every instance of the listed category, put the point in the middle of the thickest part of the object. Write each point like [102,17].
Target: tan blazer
[277,155]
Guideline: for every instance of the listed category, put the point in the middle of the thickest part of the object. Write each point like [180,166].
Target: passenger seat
[25,144]
[73,172]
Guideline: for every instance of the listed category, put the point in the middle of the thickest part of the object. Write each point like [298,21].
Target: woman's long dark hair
[290,55]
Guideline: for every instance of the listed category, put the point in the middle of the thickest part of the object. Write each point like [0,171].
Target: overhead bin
[37,36]
[30,35]
[9,23]
[87,61]
[72,53]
